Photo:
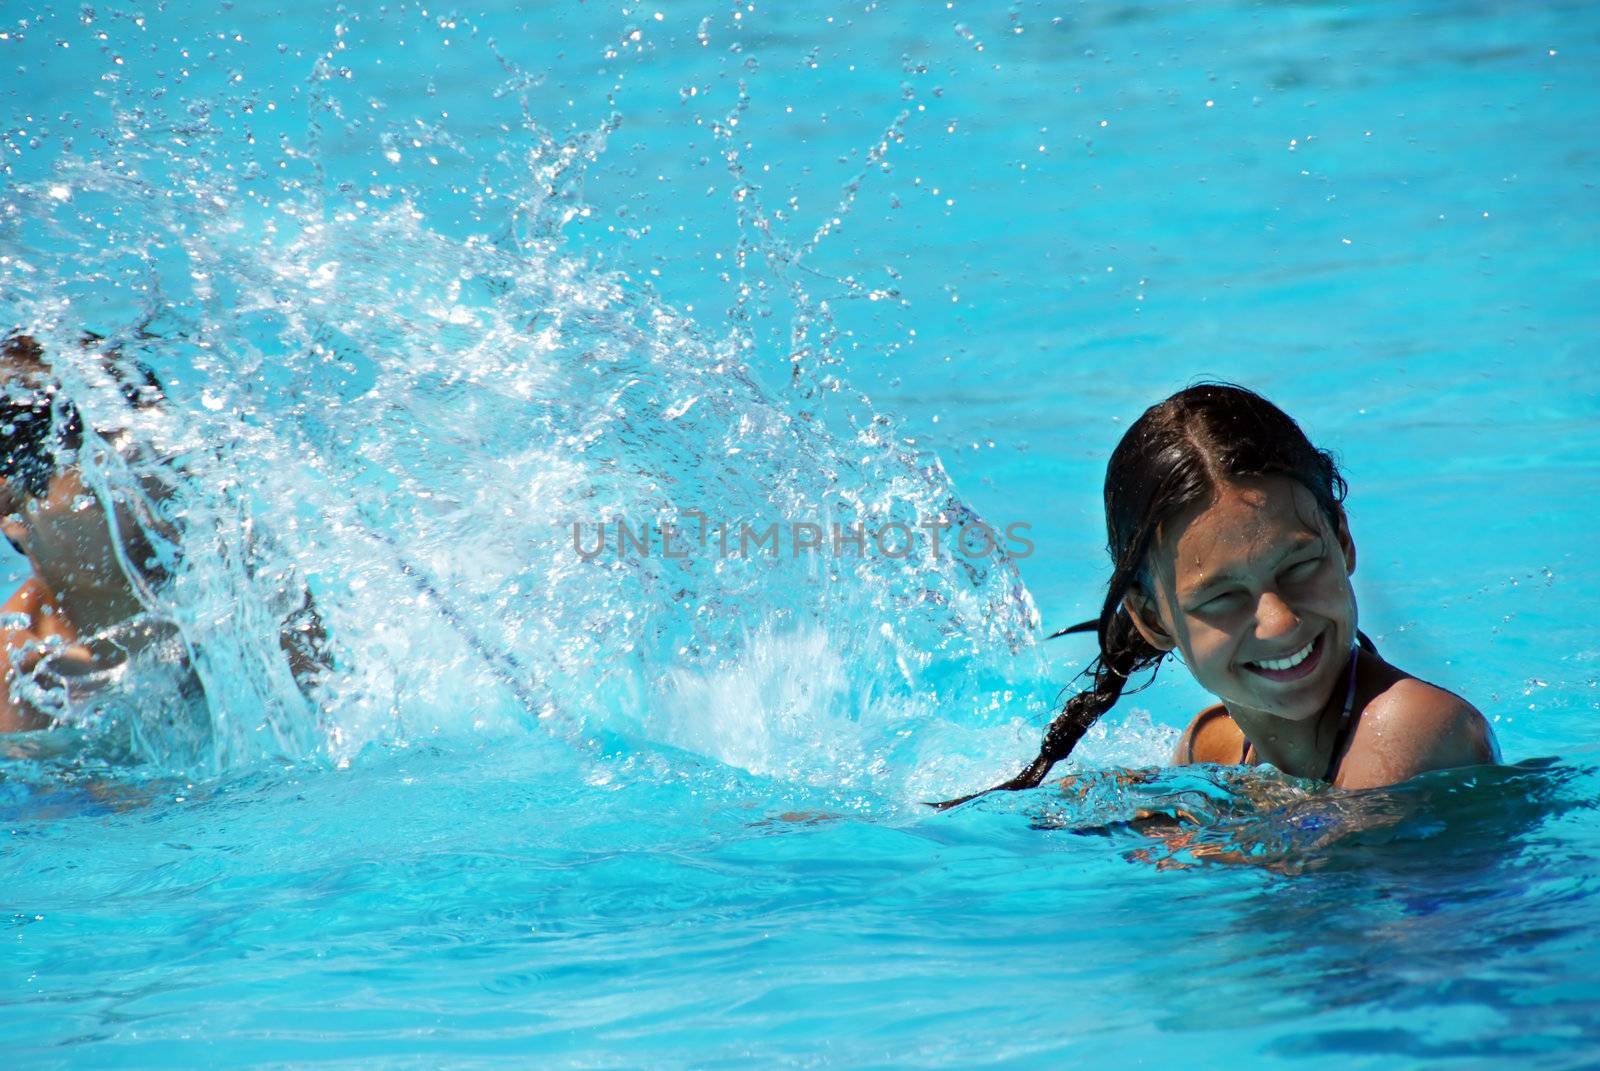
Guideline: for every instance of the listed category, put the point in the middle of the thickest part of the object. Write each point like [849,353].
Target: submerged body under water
[435,298]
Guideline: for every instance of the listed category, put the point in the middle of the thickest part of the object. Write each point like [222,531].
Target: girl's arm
[19,652]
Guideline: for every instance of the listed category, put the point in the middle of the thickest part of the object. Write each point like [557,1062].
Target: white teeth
[1293,660]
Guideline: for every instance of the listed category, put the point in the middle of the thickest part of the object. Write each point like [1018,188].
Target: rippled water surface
[428,287]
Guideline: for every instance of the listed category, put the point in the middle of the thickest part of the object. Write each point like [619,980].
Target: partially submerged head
[46,510]
[1229,544]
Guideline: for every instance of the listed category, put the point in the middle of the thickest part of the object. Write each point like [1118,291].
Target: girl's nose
[1274,618]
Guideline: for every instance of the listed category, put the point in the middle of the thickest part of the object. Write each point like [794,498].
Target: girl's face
[64,531]
[1253,590]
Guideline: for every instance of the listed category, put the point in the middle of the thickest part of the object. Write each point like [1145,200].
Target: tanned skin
[1258,574]
[79,552]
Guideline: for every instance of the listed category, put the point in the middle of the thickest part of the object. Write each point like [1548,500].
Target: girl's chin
[1294,715]
[1306,710]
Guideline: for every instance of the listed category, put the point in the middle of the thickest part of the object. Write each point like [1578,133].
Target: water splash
[410,421]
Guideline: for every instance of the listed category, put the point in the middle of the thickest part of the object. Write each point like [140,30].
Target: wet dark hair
[38,422]
[1173,457]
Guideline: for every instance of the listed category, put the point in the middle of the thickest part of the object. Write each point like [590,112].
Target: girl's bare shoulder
[1211,737]
[1410,727]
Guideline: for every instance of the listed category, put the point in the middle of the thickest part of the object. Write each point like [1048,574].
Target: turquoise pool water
[428,287]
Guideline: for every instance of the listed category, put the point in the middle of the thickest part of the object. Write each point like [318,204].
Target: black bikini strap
[1341,739]
[1340,742]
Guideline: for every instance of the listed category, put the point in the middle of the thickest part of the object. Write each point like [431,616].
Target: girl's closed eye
[1305,570]
[1219,604]
[1223,602]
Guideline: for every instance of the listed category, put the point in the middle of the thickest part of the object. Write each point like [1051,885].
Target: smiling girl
[1231,550]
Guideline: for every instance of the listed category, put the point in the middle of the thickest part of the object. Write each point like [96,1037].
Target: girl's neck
[1303,748]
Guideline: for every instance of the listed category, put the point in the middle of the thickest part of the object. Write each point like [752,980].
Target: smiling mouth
[1292,667]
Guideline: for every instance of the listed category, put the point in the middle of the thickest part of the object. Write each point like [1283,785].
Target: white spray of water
[408,424]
